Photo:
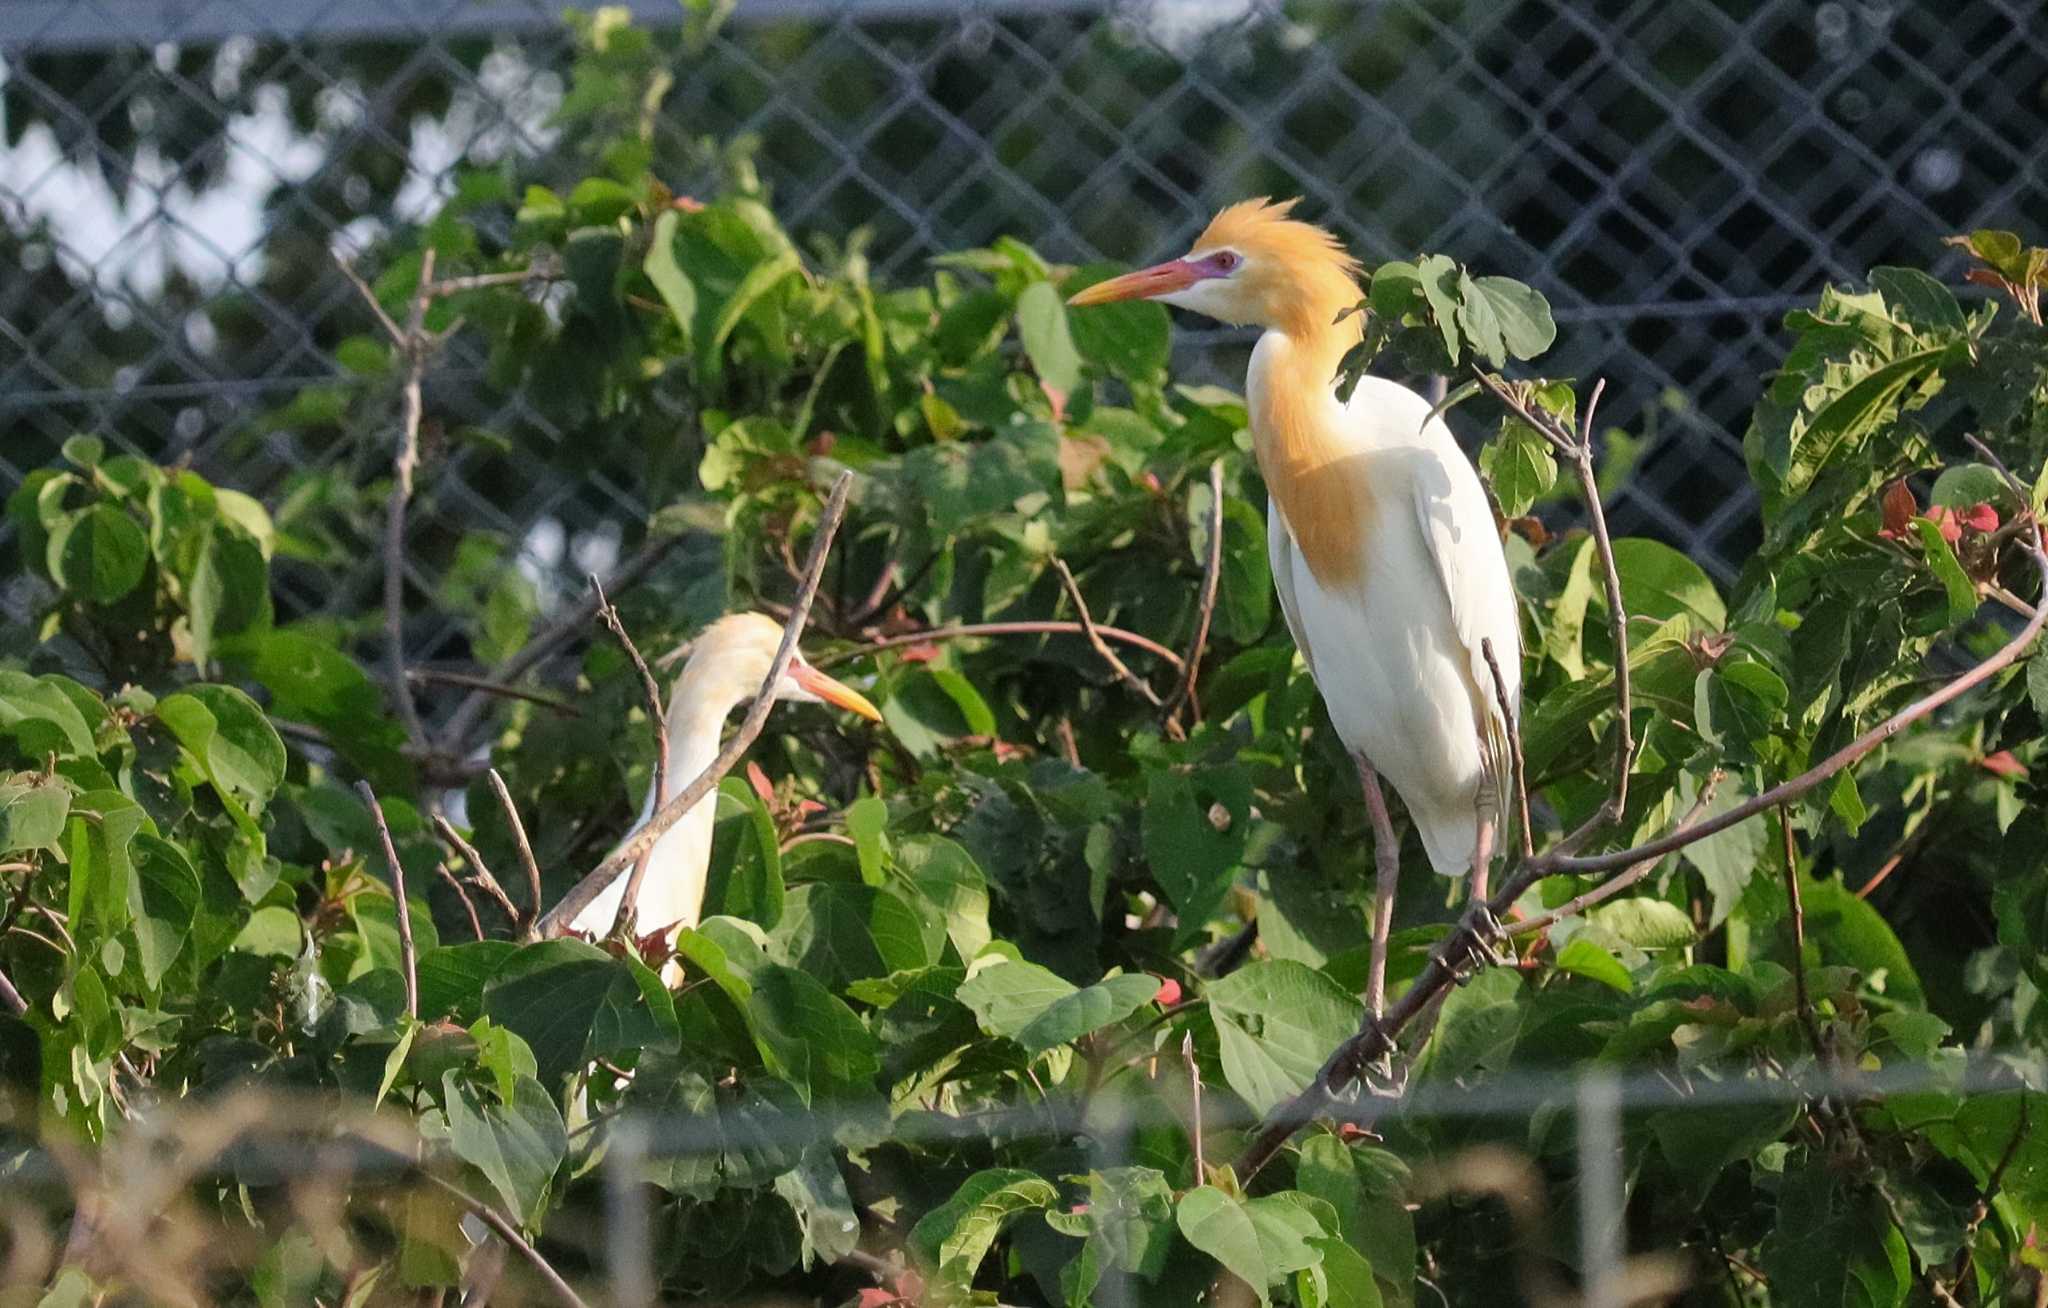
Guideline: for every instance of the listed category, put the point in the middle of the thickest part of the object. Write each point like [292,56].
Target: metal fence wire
[1674,174]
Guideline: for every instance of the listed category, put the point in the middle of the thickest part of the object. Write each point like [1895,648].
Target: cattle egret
[1384,548]
[726,667]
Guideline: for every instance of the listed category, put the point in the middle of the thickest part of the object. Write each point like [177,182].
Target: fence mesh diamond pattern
[1674,174]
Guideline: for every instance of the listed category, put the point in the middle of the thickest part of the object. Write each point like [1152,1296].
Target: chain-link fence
[1674,174]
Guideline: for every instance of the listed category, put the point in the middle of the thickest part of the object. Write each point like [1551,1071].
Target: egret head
[730,659]
[1252,265]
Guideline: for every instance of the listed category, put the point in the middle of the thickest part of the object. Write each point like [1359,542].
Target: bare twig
[556,920]
[1801,998]
[486,686]
[648,688]
[11,997]
[1212,571]
[408,957]
[567,625]
[1451,955]
[414,346]
[1514,730]
[1187,1054]
[970,631]
[478,872]
[521,843]
[1088,629]
[476,923]
[509,1233]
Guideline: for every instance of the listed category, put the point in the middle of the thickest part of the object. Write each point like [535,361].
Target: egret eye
[1226,260]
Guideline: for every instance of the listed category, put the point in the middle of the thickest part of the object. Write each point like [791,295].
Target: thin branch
[478,872]
[557,919]
[1624,880]
[1469,939]
[610,617]
[1212,572]
[1800,996]
[12,997]
[476,923]
[1187,1054]
[520,842]
[408,957]
[1088,629]
[486,686]
[970,631]
[1386,854]
[1514,729]
[567,625]
[509,1233]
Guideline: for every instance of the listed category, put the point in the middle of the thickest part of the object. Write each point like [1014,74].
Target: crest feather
[1261,225]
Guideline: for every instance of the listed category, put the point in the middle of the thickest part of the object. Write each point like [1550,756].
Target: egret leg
[1482,859]
[1387,874]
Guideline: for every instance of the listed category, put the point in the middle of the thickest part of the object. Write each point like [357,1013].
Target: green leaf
[1346,1277]
[954,1237]
[1368,1189]
[599,200]
[1260,1241]
[1193,861]
[1659,583]
[946,876]
[1726,859]
[674,286]
[1008,996]
[42,718]
[1244,588]
[163,901]
[1737,703]
[1962,592]
[1521,470]
[1131,338]
[32,813]
[865,819]
[227,591]
[1848,417]
[1565,641]
[230,737]
[815,1041]
[1521,313]
[548,994]
[825,1218]
[746,878]
[1849,931]
[840,933]
[98,554]
[1480,324]
[516,1145]
[1042,326]
[1276,1021]
[1584,958]
[1645,923]
[1834,1243]
[1963,485]
[1130,1219]
[452,978]
[1089,1009]
[1918,299]
[1439,278]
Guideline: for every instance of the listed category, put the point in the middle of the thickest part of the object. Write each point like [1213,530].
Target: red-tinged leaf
[1169,993]
[806,808]
[1058,399]
[2003,764]
[1078,1209]
[759,781]
[910,1285]
[1984,277]
[924,653]
[1978,517]
[686,204]
[1900,508]
[1352,1133]
[874,1296]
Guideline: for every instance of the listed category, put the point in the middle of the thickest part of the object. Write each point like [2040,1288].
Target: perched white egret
[1385,551]
[727,664]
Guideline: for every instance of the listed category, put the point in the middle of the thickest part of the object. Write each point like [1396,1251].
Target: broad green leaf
[1726,859]
[1520,467]
[1193,860]
[1565,641]
[41,717]
[228,590]
[1276,1021]
[163,902]
[1042,326]
[1344,1279]
[1244,589]
[816,1190]
[1645,923]
[746,875]
[1917,299]
[1737,703]
[1261,1241]
[32,813]
[1582,957]
[98,554]
[1851,415]
[1130,1218]
[1368,1189]
[1007,997]
[452,978]
[1521,313]
[866,818]
[1659,583]
[230,736]
[840,933]
[1439,278]
[516,1145]
[954,1237]
[548,994]
[1833,1240]
[674,286]
[1848,930]
[1479,322]
[819,1046]
[1088,1009]
[1962,485]
[1131,339]
[945,876]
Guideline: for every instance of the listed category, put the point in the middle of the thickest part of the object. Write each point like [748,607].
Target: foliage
[964,1035]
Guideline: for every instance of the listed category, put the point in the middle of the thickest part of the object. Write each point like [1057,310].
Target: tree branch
[408,957]
[556,920]
[1212,572]
[478,872]
[484,685]
[1116,665]
[502,1226]
[1614,885]
[522,844]
[969,631]
[655,720]
[1801,998]
[476,923]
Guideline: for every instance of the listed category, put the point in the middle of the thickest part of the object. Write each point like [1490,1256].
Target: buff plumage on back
[1301,279]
